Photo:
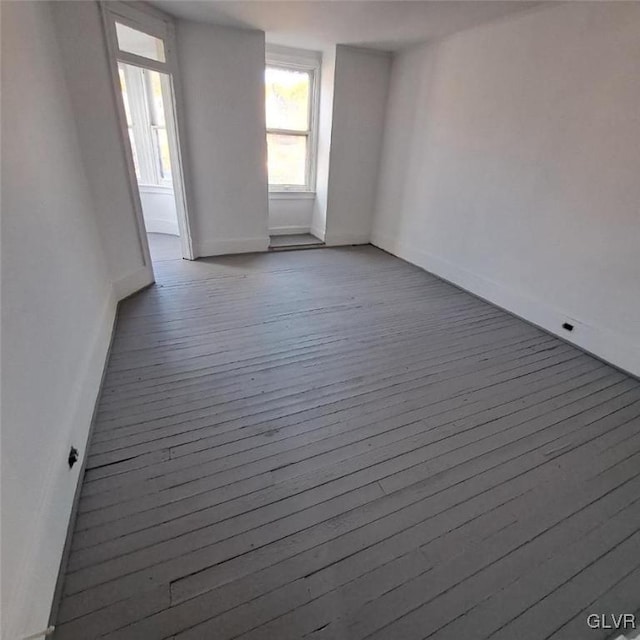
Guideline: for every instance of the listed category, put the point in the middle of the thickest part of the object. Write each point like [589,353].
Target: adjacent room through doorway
[143,98]
[143,55]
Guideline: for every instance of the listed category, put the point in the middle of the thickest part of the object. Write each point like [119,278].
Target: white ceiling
[381,24]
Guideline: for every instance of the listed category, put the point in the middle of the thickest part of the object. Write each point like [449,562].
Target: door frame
[161,26]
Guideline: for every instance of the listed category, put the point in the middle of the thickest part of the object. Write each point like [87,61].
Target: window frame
[307,61]
[140,99]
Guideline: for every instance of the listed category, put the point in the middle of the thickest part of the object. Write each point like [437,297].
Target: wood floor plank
[355,581]
[334,444]
[225,479]
[217,513]
[244,589]
[620,598]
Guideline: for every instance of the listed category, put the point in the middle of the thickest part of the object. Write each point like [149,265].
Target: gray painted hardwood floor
[334,444]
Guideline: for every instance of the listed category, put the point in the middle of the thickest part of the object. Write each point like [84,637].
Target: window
[139,43]
[144,110]
[157,124]
[291,113]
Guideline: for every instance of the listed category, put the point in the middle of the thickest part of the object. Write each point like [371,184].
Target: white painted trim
[597,341]
[288,230]
[81,403]
[133,282]
[232,245]
[340,239]
[161,26]
[140,61]
[292,195]
[155,188]
[310,61]
[108,26]
[142,17]
[177,155]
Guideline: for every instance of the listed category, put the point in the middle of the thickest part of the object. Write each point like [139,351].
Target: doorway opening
[141,47]
[144,93]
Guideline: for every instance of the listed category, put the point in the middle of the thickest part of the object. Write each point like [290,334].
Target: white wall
[159,209]
[57,312]
[222,73]
[290,214]
[86,65]
[511,163]
[359,100]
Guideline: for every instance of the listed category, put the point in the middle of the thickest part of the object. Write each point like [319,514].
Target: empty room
[320,319]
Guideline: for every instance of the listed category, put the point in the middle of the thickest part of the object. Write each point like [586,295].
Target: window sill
[292,195]
[155,188]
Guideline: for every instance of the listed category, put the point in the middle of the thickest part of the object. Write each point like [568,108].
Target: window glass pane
[127,111]
[125,95]
[154,90]
[287,159]
[162,148]
[287,99]
[140,43]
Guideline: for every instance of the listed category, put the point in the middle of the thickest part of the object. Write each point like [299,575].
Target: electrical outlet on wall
[569,325]
[73,456]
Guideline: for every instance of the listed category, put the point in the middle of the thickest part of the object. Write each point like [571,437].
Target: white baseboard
[133,282]
[153,225]
[288,231]
[231,246]
[32,600]
[598,341]
[340,239]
